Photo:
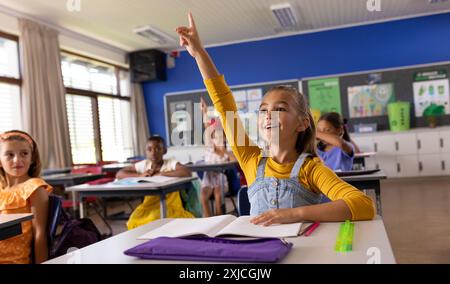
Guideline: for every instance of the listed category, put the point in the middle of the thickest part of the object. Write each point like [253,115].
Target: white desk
[11,224]
[114,168]
[142,189]
[369,237]
[359,160]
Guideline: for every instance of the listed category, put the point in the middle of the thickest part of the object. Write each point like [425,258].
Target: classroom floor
[416,214]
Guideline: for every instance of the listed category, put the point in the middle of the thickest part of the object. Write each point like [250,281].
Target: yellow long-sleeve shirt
[314,175]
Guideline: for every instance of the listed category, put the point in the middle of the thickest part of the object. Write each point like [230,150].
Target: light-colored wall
[73,42]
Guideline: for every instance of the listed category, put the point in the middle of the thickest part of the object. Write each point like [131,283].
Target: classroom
[240,131]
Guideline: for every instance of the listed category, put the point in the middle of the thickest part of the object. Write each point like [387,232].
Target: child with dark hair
[155,165]
[335,147]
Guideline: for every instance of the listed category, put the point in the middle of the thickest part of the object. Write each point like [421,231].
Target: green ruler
[344,241]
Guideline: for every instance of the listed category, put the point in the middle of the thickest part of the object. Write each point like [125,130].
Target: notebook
[225,225]
[137,180]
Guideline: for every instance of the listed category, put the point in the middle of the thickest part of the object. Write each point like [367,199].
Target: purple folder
[265,250]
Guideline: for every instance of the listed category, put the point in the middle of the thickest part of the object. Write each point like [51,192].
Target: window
[81,129]
[98,109]
[115,124]
[89,75]
[10,112]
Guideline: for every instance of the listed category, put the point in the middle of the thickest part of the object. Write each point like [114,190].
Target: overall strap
[261,168]
[298,165]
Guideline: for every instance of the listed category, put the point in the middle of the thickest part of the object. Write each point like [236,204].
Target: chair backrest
[54,212]
[136,158]
[200,173]
[243,202]
[234,182]
[88,170]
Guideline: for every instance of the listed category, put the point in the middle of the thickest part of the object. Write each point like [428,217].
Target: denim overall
[268,193]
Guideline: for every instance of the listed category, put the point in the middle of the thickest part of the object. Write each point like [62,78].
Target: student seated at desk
[335,147]
[216,152]
[286,186]
[22,191]
[155,165]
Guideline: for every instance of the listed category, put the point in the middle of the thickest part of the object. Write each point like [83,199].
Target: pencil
[313,227]
[306,229]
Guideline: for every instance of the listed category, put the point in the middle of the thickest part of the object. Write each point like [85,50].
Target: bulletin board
[183,117]
[364,95]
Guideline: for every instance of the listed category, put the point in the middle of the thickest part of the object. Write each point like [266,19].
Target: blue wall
[392,44]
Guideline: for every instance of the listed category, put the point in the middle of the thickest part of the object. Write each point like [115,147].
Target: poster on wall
[181,114]
[325,95]
[369,100]
[431,88]
[255,94]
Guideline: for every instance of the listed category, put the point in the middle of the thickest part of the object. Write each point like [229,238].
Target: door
[407,166]
[428,142]
[445,164]
[405,144]
[430,165]
[365,143]
[387,163]
[384,144]
[444,141]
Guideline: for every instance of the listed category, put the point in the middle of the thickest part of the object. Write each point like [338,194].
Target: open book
[137,180]
[225,225]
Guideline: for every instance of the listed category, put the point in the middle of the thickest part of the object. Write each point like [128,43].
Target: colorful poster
[325,95]
[254,94]
[240,96]
[370,100]
[253,107]
[431,87]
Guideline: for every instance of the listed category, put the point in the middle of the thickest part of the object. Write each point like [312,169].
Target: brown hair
[337,121]
[306,140]
[35,167]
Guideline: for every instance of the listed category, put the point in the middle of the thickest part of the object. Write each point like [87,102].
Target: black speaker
[148,65]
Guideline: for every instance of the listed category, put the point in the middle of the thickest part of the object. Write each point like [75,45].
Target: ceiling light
[152,33]
[285,15]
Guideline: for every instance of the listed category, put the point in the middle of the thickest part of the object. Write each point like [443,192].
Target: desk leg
[378,198]
[222,194]
[74,201]
[162,205]
[81,206]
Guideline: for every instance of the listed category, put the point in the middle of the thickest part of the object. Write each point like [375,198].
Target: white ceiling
[219,21]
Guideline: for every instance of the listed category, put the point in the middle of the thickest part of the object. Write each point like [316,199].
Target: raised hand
[189,37]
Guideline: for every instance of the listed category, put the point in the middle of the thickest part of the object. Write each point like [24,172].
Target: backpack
[75,233]
[191,199]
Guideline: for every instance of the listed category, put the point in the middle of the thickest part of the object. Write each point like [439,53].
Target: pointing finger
[191,21]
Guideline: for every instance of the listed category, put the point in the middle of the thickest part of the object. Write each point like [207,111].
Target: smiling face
[15,158]
[279,115]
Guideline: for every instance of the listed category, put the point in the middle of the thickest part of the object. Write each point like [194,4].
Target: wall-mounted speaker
[148,65]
